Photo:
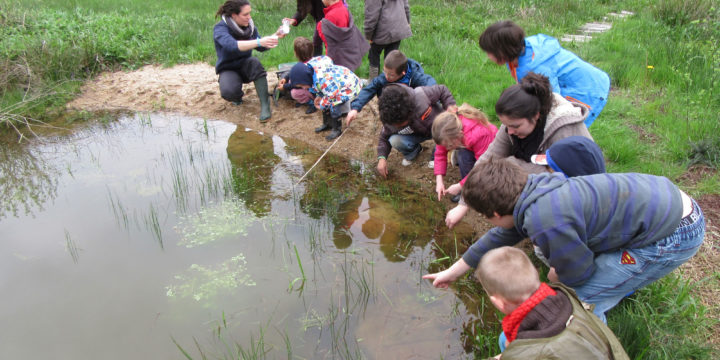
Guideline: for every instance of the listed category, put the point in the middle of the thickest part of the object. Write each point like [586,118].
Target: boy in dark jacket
[387,22]
[407,115]
[397,69]
[543,321]
[604,235]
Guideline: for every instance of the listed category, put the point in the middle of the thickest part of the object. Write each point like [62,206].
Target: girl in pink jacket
[469,133]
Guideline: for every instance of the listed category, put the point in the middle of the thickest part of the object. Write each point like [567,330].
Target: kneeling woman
[235,37]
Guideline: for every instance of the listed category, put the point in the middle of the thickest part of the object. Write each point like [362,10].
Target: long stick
[323,155]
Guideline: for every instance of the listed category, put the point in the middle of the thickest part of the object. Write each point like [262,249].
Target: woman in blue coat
[505,44]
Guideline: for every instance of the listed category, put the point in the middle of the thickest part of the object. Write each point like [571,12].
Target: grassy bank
[662,116]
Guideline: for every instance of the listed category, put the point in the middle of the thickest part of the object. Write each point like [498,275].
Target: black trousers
[231,81]
[376,49]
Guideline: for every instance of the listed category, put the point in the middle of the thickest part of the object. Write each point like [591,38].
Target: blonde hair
[506,271]
[448,126]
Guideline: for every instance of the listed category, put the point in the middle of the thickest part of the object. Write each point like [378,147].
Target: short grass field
[663,115]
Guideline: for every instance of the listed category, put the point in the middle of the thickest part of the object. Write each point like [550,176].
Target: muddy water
[128,238]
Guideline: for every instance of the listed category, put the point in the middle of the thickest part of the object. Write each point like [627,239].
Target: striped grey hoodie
[572,220]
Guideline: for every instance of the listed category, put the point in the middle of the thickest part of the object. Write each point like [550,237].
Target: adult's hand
[269,42]
[280,33]
[290,20]
[455,215]
[350,117]
[382,167]
[444,278]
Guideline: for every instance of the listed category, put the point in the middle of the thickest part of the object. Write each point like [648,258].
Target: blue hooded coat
[569,75]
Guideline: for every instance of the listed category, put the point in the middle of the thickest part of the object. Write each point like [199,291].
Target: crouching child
[543,320]
[333,86]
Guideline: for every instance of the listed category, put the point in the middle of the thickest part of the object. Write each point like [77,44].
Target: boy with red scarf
[543,321]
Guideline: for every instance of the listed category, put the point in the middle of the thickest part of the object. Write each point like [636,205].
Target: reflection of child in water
[372,222]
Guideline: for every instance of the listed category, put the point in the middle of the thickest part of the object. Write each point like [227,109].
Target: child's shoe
[297,104]
[311,109]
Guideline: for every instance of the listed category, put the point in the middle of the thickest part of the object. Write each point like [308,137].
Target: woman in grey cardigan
[386,23]
[533,118]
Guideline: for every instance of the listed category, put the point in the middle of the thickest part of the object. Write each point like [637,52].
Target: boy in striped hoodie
[603,235]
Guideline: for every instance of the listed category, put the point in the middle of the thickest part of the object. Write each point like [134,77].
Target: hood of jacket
[549,45]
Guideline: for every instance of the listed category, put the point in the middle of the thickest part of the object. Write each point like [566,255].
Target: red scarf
[511,323]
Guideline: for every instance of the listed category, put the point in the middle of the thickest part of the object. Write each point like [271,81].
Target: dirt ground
[193,90]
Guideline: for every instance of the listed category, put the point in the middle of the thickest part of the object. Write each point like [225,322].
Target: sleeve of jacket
[303,8]
[440,159]
[383,148]
[424,80]
[439,93]
[373,9]
[367,93]
[228,44]
[407,10]
[561,243]
[492,239]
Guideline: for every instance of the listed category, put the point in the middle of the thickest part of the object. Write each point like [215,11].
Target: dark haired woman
[533,118]
[235,37]
[505,43]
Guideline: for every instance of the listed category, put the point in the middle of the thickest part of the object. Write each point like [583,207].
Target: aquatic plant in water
[212,223]
[203,283]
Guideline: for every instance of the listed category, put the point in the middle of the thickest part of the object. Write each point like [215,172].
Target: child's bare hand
[454,189]
[317,101]
[440,189]
[282,82]
[350,117]
[382,167]
[453,109]
[455,215]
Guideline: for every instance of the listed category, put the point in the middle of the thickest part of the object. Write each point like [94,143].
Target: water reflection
[169,226]
[27,181]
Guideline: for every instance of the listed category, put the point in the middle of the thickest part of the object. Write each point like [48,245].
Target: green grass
[662,115]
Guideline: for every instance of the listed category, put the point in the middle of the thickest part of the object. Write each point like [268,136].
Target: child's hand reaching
[440,187]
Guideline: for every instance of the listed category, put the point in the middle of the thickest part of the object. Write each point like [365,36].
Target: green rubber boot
[261,88]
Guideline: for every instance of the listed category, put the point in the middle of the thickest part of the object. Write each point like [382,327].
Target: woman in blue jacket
[505,44]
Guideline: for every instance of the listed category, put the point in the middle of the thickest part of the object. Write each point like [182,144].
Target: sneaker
[406,162]
[431,164]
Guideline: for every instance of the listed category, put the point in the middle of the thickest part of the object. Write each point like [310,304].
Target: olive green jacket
[585,337]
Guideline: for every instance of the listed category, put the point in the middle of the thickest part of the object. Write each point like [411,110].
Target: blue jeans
[466,161]
[408,145]
[613,280]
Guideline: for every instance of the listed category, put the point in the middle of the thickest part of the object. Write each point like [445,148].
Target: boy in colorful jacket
[543,321]
[334,86]
[604,235]
[397,68]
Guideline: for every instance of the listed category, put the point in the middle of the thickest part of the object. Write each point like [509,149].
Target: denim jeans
[466,161]
[613,280]
[408,145]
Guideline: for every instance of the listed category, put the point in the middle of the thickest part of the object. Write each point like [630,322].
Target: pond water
[165,237]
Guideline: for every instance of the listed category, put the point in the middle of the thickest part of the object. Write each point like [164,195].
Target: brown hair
[303,48]
[504,39]
[533,95]
[397,61]
[494,186]
[508,272]
[448,126]
[231,7]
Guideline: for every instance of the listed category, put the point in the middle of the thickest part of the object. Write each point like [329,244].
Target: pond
[157,236]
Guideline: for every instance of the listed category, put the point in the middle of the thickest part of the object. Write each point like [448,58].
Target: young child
[344,43]
[334,86]
[543,321]
[397,69]
[604,235]
[505,44]
[468,133]
[407,116]
[303,52]
[387,22]
[573,156]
